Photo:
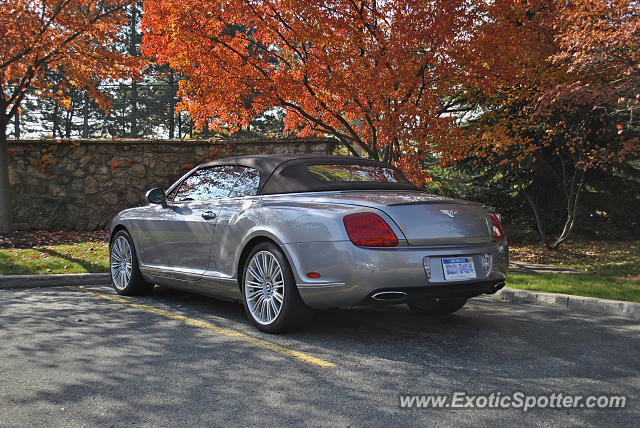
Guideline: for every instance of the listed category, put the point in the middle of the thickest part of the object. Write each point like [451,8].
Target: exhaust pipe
[389,296]
[496,287]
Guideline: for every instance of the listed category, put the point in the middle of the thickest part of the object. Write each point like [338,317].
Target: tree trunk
[573,196]
[536,214]
[6,218]
[134,110]
[55,119]
[16,126]
[85,116]
[172,107]
[180,125]
[133,36]
[572,193]
[68,122]
[123,122]
[534,207]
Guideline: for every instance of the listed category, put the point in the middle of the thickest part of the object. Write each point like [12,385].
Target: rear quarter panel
[283,219]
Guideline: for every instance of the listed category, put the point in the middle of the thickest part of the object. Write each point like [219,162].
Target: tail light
[369,230]
[498,231]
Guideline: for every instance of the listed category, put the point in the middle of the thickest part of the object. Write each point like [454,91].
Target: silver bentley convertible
[286,234]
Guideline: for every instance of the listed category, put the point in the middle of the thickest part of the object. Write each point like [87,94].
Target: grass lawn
[612,269]
[580,284]
[70,258]
[40,252]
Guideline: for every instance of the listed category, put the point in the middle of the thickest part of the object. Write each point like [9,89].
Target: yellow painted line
[223,331]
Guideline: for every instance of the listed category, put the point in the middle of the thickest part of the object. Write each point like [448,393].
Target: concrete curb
[30,281]
[630,310]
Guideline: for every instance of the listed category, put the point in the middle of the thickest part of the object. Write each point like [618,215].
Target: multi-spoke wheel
[264,287]
[270,294]
[121,263]
[125,273]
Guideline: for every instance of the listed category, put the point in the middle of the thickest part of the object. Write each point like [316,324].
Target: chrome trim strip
[325,285]
[169,273]
[218,278]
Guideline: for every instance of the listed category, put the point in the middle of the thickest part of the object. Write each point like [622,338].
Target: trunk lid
[441,223]
[425,219]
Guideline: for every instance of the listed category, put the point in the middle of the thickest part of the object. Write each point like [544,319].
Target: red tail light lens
[369,230]
[498,231]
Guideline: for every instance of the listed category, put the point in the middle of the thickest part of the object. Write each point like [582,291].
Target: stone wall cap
[208,142]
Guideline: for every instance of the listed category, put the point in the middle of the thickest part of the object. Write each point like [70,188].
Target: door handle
[209,215]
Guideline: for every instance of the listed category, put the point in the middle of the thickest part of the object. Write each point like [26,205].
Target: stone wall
[81,185]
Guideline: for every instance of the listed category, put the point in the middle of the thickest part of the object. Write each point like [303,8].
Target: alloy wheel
[264,287]
[121,262]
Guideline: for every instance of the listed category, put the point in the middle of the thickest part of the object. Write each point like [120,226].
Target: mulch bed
[541,255]
[42,238]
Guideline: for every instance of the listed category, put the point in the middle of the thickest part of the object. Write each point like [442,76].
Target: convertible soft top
[292,173]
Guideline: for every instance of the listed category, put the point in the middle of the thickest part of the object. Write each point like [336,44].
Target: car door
[177,242]
[227,238]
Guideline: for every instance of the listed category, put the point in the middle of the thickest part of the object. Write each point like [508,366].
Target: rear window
[371,173]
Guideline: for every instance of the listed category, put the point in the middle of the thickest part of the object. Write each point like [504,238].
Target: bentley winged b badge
[450,213]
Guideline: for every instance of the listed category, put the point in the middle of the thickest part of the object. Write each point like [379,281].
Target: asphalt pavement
[72,358]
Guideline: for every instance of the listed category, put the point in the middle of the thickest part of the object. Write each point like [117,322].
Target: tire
[125,274]
[439,308]
[269,291]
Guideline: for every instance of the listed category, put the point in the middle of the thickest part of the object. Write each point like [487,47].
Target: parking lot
[83,356]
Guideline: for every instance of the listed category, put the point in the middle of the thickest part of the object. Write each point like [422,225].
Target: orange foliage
[599,42]
[558,67]
[76,37]
[379,76]
[390,79]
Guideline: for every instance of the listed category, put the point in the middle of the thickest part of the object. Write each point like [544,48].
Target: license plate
[458,268]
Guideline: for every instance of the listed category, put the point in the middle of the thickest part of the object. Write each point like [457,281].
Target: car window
[373,173]
[215,183]
[247,184]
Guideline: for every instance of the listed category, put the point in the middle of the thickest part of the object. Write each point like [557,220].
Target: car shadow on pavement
[484,334]
[107,363]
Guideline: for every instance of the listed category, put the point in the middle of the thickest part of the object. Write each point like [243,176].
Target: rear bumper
[431,292]
[350,275]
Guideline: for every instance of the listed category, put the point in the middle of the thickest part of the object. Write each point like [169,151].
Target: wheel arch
[250,245]
[117,228]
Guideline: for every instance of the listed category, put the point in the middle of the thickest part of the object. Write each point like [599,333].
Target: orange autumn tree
[599,43]
[566,110]
[75,37]
[379,76]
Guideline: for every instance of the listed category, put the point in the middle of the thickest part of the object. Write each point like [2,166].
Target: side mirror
[157,196]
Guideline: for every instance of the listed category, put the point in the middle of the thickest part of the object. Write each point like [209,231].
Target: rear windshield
[372,173]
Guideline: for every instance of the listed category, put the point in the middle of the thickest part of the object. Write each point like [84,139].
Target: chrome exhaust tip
[496,287]
[389,296]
